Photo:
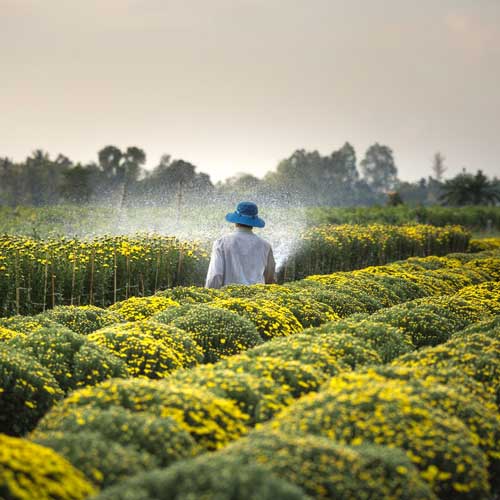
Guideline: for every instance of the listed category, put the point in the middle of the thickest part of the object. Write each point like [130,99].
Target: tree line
[119,178]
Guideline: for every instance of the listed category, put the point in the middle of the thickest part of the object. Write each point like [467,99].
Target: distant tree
[468,189]
[394,199]
[379,168]
[77,183]
[174,180]
[438,167]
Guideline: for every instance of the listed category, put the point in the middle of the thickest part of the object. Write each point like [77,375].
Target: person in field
[241,257]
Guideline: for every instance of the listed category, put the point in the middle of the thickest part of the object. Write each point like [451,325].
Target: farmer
[241,257]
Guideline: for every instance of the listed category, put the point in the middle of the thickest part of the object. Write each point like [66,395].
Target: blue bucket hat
[246,213]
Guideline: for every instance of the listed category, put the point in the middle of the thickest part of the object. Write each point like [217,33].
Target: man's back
[241,257]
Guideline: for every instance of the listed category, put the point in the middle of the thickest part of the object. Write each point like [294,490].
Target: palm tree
[468,189]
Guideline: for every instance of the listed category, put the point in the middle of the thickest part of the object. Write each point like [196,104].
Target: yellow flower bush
[27,391]
[481,419]
[29,324]
[249,391]
[325,469]
[71,358]
[308,310]
[150,349]
[306,350]
[480,245]
[29,471]
[138,308]
[188,294]
[219,332]
[211,421]
[475,354]
[355,409]
[486,294]
[366,336]
[83,319]
[270,319]
[162,438]
[288,375]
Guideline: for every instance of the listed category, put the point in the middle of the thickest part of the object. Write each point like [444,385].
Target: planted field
[381,382]
[36,275]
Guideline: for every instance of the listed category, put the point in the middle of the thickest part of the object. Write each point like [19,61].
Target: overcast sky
[237,85]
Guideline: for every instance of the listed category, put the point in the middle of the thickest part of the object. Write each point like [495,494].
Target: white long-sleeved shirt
[241,257]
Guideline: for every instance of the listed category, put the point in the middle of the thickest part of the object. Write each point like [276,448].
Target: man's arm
[215,274]
[270,271]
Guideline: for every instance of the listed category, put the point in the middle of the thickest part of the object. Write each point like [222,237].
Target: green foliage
[325,469]
[30,471]
[203,479]
[103,462]
[162,438]
[72,359]
[27,391]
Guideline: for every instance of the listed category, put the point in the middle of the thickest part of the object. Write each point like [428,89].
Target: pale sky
[237,85]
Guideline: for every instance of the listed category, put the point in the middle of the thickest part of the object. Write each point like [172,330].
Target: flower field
[380,382]
[37,275]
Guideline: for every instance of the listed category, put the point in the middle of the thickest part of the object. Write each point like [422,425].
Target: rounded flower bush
[425,323]
[325,469]
[150,349]
[219,332]
[476,355]
[30,471]
[387,341]
[27,391]
[344,303]
[211,421]
[307,310]
[247,390]
[29,324]
[137,308]
[162,438]
[203,479]
[481,420]
[187,294]
[293,376]
[345,348]
[354,409]
[302,348]
[486,294]
[102,462]
[83,319]
[270,319]
[71,358]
